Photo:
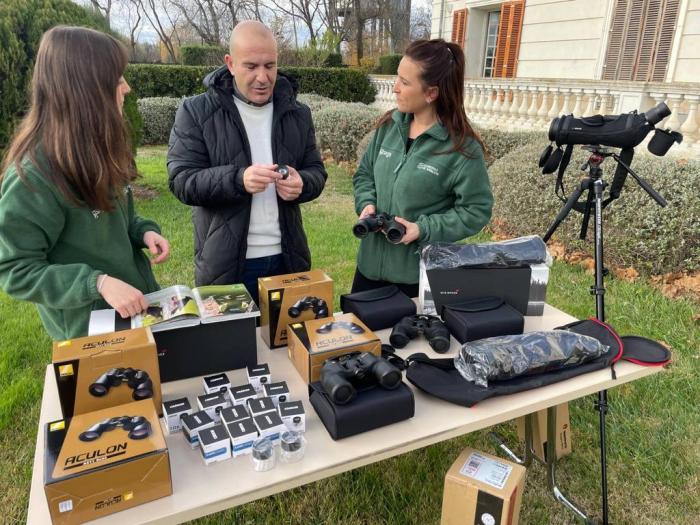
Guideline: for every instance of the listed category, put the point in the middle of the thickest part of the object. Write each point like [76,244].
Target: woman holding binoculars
[423,177]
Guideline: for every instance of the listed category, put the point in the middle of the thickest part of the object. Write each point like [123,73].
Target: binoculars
[137,426]
[383,222]
[137,380]
[342,376]
[431,327]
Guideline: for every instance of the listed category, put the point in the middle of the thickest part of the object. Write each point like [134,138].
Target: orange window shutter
[508,42]
[459,26]
[618,28]
[667,27]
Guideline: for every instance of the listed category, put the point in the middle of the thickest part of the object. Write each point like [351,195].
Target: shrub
[333,60]
[22,22]
[158,115]
[637,231]
[368,64]
[159,80]
[315,102]
[134,121]
[500,143]
[201,55]
[340,127]
[388,64]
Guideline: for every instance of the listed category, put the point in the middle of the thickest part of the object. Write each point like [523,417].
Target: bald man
[225,150]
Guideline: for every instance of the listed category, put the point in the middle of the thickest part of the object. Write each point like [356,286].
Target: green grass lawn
[653,424]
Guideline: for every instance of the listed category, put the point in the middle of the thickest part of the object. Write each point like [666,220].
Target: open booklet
[179,306]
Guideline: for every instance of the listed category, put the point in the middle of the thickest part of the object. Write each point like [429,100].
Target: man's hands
[258,176]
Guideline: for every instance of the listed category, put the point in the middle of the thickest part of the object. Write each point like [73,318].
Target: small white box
[192,424]
[217,383]
[270,425]
[173,411]
[215,444]
[260,406]
[213,404]
[239,395]
[293,415]
[233,414]
[259,375]
[278,392]
[243,432]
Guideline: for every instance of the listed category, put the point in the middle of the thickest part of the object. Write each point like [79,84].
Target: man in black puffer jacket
[224,150]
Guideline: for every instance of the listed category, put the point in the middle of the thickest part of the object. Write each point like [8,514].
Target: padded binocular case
[480,318]
[372,408]
[379,308]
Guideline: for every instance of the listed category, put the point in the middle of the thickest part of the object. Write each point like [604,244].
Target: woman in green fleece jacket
[69,238]
[425,165]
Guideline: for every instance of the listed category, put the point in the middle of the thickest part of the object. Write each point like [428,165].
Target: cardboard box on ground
[481,489]
[539,432]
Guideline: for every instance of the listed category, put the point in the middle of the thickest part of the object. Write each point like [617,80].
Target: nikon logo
[94,456]
[450,292]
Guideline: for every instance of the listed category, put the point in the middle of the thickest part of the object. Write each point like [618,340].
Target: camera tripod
[594,185]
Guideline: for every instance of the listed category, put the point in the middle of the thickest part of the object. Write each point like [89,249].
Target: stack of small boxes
[229,418]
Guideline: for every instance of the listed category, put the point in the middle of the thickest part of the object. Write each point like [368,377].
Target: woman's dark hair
[442,66]
[74,120]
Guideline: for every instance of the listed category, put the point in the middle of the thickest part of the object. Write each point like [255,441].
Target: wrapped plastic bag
[502,254]
[506,357]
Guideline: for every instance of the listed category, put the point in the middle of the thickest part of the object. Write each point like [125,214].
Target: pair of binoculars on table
[383,222]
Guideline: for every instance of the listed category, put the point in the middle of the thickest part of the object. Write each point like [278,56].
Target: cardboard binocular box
[312,342]
[105,461]
[102,371]
[482,489]
[539,432]
[292,298]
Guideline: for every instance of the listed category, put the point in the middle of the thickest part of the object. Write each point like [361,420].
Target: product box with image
[102,371]
[292,298]
[539,432]
[105,461]
[314,341]
[482,489]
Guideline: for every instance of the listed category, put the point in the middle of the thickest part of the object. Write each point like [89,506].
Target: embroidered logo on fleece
[384,153]
[427,167]
[96,213]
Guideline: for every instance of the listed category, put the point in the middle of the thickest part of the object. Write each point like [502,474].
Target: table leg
[529,453]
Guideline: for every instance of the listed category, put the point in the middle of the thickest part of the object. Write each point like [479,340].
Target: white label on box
[486,470]
[65,506]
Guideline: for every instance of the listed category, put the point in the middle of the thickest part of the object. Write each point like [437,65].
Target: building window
[491,40]
[459,26]
[510,23]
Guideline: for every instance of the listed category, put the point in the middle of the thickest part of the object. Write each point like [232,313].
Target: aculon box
[102,371]
[539,432]
[481,489]
[292,298]
[120,466]
[314,341]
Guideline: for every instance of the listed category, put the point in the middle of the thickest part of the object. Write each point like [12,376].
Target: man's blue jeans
[261,267]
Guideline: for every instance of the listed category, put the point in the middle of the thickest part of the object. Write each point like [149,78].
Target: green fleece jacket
[448,195]
[51,251]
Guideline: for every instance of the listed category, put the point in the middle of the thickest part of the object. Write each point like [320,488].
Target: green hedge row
[22,22]
[158,80]
[201,55]
[388,64]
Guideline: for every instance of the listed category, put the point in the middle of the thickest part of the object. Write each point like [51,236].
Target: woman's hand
[157,245]
[412,231]
[370,209]
[123,297]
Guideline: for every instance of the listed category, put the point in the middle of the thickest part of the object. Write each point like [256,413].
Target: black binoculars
[137,426]
[317,305]
[384,222]
[137,380]
[431,327]
[342,376]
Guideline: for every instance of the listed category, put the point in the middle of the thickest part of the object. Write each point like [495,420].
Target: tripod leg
[573,198]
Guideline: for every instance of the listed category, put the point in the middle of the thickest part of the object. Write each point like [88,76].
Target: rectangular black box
[373,408]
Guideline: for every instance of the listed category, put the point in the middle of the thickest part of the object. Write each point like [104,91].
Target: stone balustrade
[531,104]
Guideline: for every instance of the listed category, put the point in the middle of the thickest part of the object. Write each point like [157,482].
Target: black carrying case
[480,318]
[379,308]
[372,408]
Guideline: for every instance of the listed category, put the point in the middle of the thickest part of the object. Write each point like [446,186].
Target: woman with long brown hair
[424,165]
[69,238]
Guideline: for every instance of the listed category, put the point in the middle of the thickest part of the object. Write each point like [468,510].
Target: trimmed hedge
[637,231]
[388,64]
[340,127]
[134,121]
[22,22]
[315,102]
[158,114]
[202,55]
[160,80]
